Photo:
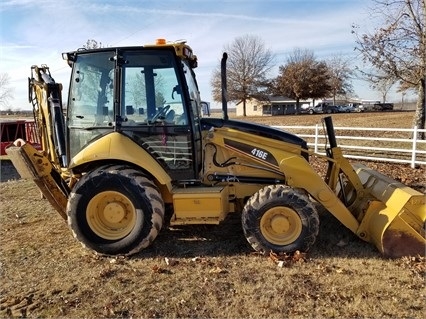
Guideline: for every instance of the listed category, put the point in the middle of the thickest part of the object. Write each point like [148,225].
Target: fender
[116,146]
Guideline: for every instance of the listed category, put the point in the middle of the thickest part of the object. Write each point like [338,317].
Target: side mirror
[205,108]
[177,90]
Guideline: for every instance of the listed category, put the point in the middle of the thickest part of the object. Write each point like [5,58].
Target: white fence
[396,145]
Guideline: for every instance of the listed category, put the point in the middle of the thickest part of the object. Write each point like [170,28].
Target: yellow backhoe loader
[133,144]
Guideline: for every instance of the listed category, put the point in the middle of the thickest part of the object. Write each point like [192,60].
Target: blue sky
[38,31]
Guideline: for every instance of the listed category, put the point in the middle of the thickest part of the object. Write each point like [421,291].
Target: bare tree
[248,65]
[340,74]
[6,92]
[397,48]
[302,77]
[383,85]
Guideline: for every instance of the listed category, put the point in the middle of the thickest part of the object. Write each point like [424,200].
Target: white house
[280,105]
[276,105]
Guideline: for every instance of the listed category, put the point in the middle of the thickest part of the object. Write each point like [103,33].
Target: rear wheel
[115,210]
[280,219]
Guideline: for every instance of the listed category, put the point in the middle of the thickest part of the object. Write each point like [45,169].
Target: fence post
[316,139]
[413,154]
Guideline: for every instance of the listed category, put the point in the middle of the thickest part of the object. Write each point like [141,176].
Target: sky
[35,32]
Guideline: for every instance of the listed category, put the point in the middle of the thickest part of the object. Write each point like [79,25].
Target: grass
[197,271]
[210,272]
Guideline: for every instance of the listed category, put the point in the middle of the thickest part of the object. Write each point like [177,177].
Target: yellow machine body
[384,212]
[211,201]
[116,183]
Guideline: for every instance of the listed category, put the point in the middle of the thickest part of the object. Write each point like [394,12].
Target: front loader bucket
[394,219]
[32,164]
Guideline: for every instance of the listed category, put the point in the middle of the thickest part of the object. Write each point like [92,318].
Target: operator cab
[147,93]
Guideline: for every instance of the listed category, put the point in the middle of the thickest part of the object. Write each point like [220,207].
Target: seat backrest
[170,116]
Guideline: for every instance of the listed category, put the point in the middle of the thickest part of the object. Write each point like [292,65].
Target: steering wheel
[161,112]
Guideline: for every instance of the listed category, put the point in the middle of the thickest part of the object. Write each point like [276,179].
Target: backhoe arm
[45,96]
[47,168]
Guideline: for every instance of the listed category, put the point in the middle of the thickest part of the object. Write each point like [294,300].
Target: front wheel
[115,210]
[280,219]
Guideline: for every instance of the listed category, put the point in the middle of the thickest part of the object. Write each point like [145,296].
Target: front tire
[115,210]
[280,219]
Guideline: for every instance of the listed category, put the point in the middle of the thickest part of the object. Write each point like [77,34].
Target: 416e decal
[257,152]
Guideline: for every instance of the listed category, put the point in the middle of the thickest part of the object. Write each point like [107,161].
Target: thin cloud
[208,26]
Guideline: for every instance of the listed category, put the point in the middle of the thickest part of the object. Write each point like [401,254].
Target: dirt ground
[201,271]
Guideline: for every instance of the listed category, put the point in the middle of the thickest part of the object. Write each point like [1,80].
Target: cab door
[159,110]
[195,114]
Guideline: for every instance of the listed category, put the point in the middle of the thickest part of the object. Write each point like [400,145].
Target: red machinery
[14,129]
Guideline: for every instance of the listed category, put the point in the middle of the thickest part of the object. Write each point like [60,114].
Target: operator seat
[170,116]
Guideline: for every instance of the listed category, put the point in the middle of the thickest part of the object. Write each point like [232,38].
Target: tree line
[394,53]
[302,77]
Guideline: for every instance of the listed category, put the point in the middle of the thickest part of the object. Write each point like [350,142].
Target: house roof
[280,99]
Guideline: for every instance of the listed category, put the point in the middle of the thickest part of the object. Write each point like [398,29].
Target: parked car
[315,110]
[383,107]
[357,107]
[344,108]
[322,108]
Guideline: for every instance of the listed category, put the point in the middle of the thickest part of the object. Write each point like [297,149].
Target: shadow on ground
[227,239]
[8,171]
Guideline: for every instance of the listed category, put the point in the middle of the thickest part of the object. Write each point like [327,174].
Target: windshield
[90,104]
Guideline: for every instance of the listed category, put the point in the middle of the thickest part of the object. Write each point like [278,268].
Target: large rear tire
[280,219]
[115,210]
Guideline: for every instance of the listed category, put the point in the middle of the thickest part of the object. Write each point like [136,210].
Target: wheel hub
[281,225]
[114,212]
[111,215]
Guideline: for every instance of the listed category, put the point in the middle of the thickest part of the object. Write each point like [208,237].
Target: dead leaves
[160,270]
[211,266]
[217,270]
[215,267]
[171,262]
[416,264]
[331,269]
[287,260]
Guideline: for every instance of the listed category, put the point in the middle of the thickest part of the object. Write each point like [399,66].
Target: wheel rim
[111,215]
[281,225]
